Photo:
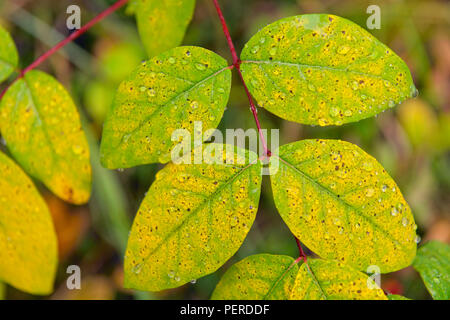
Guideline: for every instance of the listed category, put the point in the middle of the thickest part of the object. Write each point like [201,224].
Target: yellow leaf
[192,220]
[323,69]
[28,246]
[42,128]
[332,280]
[341,203]
[8,54]
[258,277]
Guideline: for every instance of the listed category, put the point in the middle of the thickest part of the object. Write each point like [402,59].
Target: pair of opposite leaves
[41,127]
[314,69]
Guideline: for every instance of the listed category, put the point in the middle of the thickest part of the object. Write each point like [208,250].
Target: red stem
[237,64]
[300,249]
[70,38]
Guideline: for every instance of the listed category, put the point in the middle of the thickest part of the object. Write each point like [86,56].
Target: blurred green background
[411,141]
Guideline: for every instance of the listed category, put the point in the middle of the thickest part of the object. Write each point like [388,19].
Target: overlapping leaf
[193,219]
[28,246]
[41,126]
[341,203]
[258,277]
[433,264]
[175,90]
[323,69]
[8,55]
[332,280]
[162,23]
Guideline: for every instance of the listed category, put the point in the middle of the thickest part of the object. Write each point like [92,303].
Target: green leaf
[2,291]
[341,203]
[433,264]
[258,277]
[41,126]
[322,69]
[397,297]
[172,91]
[192,220]
[8,55]
[332,280]
[28,245]
[162,24]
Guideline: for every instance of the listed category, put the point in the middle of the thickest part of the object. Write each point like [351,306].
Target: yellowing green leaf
[192,220]
[433,264]
[8,55]
[2,291]
[28,247]
[162,23]
[396,297]
[341,203]
[172,91]
[323,69]
[258,277]
[41,126]
[420,122]
[332,280]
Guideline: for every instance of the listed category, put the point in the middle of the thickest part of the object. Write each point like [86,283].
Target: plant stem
[300,249]
[237,64]
[70,38]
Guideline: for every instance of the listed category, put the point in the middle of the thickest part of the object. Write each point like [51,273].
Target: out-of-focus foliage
[8,54]
[162,23]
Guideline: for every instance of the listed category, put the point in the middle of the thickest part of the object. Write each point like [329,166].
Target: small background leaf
[41,126]
[171,91]
[28,246]
[258,277]
[162,23]
[341,203]
[433,264]
[192,220]
[331,280]
[323,69]
[8,54]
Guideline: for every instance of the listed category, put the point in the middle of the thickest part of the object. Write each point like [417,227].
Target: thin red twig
[300,249]
[70,38]
[237,64]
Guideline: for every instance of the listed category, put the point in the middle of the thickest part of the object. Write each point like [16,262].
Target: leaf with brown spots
[183,90]
[332,280]
[258,277]
[323,70]
[42,129]
[193,219]
[341,203]
[28,246]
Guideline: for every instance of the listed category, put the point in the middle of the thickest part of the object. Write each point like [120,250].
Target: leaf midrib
[312,181]
[194,212]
